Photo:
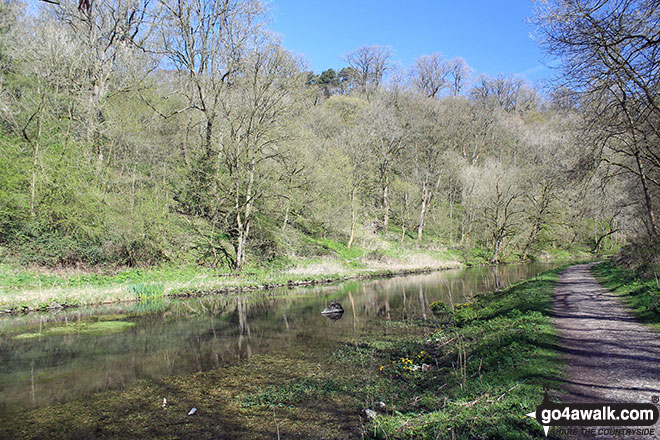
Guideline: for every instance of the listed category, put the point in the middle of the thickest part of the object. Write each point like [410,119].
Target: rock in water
[192,411]
[334,311]
[334,307]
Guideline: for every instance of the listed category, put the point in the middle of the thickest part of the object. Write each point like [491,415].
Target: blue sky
[492,36]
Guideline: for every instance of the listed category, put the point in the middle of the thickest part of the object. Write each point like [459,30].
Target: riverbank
[25,291]
[39,289]
[485,369]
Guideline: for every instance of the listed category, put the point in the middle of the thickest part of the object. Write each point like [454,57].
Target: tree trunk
[406,200]
[352,237]
[496,249]
[536,228]
[422,211]
[208,137]
[94,120]
[286,216]
[386,206]
[244,228]
[451,203]
[647,198]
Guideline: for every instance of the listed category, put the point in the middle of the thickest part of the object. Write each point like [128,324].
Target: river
[51,358]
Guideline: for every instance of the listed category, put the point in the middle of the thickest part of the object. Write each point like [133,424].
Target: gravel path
[610,356]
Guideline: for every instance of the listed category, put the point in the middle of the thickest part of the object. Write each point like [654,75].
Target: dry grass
[325,267]
[412,261]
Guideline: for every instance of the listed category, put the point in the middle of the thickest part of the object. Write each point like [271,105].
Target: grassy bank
[641,294]
[22,290]
[470,372]
[40,288]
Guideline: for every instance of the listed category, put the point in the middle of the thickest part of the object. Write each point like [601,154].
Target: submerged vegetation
[101,327]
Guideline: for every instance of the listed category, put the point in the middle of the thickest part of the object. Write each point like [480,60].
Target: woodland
[151,132]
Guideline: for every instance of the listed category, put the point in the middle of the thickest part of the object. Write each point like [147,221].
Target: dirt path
[610,356]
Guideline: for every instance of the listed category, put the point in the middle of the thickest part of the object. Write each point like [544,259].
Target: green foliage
[144,291]
[295,391]
[339,249]
[13,188]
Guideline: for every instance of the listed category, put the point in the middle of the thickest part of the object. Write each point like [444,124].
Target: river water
[39,366]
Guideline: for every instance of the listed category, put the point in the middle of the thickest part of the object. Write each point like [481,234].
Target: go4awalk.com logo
[597,419]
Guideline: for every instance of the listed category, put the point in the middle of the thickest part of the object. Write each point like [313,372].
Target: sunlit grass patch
[295,391]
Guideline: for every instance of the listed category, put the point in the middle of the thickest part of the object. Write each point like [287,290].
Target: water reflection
[180,336]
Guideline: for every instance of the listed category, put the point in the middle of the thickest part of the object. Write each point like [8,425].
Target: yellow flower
[381,367]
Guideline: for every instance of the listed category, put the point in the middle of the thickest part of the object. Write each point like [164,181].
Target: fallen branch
[504,393]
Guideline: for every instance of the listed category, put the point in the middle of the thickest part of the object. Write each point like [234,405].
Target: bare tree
[458,74]
[254,118]
[240,82]
[112,38]
[492,194]
[206,41]
[429,75]
[506,92]
[369,64]
[383,131]
[427,143]
[609,53]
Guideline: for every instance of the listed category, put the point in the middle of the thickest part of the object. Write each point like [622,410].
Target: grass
[339,249]
[488,367]
[15,278]
[642,295]
[294,391]
[143,291]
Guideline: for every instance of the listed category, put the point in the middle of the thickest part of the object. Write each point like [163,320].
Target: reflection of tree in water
[243,328]
[422,301]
